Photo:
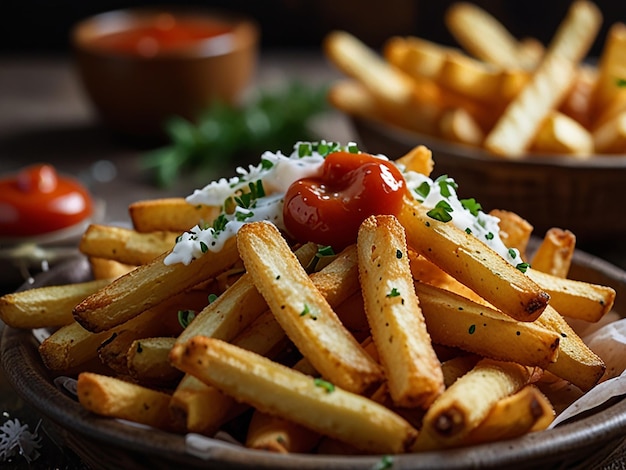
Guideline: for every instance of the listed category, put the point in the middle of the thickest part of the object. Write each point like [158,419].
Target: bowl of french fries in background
[535,128]
[143,364]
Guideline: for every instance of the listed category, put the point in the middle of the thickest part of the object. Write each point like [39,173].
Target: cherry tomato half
[329,209]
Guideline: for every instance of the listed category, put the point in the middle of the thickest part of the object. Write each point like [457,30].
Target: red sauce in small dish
[165,33]
[38,201]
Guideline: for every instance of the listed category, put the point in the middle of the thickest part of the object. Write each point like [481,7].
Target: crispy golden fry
[468,401]
[70,346]
[148,362]
[576,299]
[107,268]
[358,61]
[457,367]
[611,67]
[142,288]
[418,57]
[473,263]
[302,311]
[575,363]
[610,137]
[525,411]
[456,321]
[412,369]
[483,36]
[266,432]
[318,405]
[470,77]
[48,306]
[515,231]
[204,410]
[418,159]
[351,97]
[555,252]
[169,214]
[457,125]
[562,135]
[513,132]
[108,396]
[577,31]
[125,245]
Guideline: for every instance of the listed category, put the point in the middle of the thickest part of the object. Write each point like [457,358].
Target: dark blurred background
[42,26]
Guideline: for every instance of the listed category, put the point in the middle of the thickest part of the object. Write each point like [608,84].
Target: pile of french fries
[510,97]
[416,337]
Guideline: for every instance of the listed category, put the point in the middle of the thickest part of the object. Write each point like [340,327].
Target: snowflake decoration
[16,438]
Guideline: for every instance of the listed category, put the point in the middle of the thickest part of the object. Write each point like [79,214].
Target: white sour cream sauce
[277,177]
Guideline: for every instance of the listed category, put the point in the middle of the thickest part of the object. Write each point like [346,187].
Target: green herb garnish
[441,212]
[185,317]
[523,267]
[329,387]
[394,292]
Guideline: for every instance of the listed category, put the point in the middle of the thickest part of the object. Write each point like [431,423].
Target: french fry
[473,263]
[48,306]
[562,135]
[611,67]
[169,214]
[575,363]
[515,231]
[318,405]
[274,434]
[577,299]
[302,311]
[485,37]
[418,159]
[148,362]
[525,411]
[102,268]
[417,57]
[513,132]
[142,288]
[457,125]
[456,321]
[125,245]
[470,77]
[555,252]
[468,401]
[610,137]
[412,369]
[354,99]
[108,396]
[577,31]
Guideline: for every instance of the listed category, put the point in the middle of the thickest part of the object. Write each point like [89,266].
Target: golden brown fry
[610,137]
[483,36]
[515,231]
[473,263]
[576,363]
[611,68]
[266,432]
[418,159]
[48,306]
[148,363]
[466,403]
[108,396]
[142,288]
[525,411]
[555,252]
[318,405]
[457,125]
[412,369]
[470,77]
[456,321]
[513,132]
[577,31]
[576,299]
[560,134]
[107,268]
[125,245]
[169,214]
[302,311]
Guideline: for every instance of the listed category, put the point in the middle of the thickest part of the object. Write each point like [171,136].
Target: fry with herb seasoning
[314,403]
[412,370]
[169,214]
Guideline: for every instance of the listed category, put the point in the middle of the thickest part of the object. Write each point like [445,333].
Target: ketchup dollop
[329,209]
[164,33]
[38,201]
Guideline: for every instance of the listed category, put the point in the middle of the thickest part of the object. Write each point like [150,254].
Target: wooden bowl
[584,196]
[109,443]
[141,66]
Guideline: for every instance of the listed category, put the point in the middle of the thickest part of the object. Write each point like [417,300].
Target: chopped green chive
[523,267]
[441,212]
[185,317]
[393,293]
[329,387]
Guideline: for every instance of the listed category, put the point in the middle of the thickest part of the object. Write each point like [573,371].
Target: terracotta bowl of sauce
[141,66]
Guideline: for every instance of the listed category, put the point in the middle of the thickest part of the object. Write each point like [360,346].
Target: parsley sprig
[225,132]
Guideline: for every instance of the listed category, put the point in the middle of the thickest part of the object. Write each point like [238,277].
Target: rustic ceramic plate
[109,443]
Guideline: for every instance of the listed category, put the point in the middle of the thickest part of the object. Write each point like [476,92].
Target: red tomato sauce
[165,33]
[37,200]
[330,209]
